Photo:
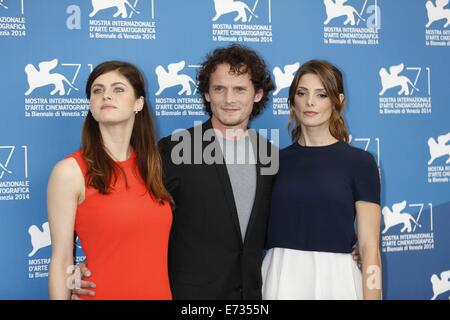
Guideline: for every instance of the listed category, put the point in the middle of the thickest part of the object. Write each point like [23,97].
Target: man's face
[231,97]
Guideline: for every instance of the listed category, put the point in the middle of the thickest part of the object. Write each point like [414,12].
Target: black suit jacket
[207,257]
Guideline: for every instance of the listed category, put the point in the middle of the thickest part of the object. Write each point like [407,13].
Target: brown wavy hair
[242,60]
[332,80]
[101,167]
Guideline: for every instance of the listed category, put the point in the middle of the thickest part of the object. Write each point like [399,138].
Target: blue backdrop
[394,55]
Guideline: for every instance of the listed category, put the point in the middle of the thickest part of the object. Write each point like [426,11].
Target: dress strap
[78,156]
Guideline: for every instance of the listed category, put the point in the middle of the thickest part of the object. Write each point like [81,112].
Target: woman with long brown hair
[111,193]
[323,184]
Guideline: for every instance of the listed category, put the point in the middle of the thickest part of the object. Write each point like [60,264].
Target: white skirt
[309,275]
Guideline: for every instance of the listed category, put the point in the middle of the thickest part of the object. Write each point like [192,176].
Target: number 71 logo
[5,161]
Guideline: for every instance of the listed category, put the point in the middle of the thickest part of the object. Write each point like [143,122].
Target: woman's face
[313,107]
[113,99]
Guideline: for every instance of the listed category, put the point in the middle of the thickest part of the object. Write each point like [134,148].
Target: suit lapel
[224,179]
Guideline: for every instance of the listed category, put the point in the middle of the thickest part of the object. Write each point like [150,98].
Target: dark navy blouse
[314,195]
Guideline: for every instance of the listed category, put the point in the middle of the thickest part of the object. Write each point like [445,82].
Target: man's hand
[356,256]
[83,291]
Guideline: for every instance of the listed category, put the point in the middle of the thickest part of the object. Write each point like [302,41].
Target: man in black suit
[221,205]
[220,176]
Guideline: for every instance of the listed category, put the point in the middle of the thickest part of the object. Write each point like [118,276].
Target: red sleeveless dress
[125,237]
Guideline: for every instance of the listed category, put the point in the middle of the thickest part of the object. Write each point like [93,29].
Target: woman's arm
[368,217]
[63,194]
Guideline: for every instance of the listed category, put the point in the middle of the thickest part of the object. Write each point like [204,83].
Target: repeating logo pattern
[230,6]
[338,8]
[438,14]
[176,93]
[395,216]
[440,284]
[393,79]
[52,91]
[348,24]
[238,21]
[122,20]
[42,77]
[120,5]
[171,78]
[439,161]
[405,90]
[5,161]
[40,238]
[14,180]
[283,77]
[12,19]
[3,5]
[437,11]
[439,148]
[406,227]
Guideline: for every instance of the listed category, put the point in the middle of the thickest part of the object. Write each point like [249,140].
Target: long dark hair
[332,80]
[101,167]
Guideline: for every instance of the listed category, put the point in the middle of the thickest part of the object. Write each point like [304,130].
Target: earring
[136,112]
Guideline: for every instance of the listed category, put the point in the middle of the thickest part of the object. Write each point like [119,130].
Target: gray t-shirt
[241,166]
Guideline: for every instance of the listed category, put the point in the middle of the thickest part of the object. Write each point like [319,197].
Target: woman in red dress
[110,192]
